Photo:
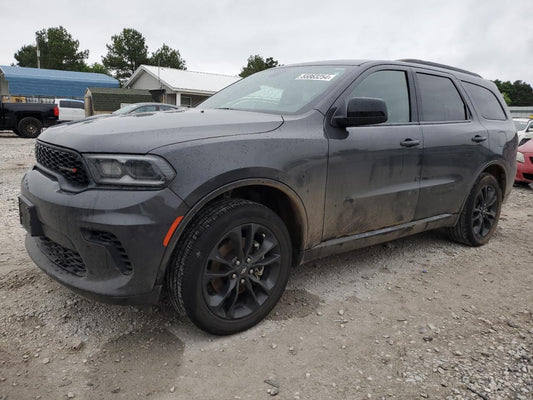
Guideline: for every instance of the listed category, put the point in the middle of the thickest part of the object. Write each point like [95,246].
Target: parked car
[524,128]
[27,119]
[70,109]
[145,107]
[214,205]
[524,158]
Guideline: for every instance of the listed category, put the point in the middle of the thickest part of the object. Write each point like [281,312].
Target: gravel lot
[416,318]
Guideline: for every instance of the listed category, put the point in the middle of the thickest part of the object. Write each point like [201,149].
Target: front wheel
[231,267]
[479,218]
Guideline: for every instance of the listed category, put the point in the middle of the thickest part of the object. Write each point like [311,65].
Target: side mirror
[363,111]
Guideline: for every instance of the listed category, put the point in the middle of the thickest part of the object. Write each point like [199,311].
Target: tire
[479,218]
[231,266]
[30,127]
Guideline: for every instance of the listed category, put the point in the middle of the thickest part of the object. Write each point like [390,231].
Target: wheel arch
[494,168]
[273,194]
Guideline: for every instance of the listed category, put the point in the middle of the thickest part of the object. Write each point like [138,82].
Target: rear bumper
[104,244]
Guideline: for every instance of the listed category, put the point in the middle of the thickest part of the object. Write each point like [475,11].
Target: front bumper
[105,244]
[524,171]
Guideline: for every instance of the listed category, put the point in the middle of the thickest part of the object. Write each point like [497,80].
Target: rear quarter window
[485,101]
[441,101]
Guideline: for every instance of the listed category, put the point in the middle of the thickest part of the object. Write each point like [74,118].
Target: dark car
[214,205]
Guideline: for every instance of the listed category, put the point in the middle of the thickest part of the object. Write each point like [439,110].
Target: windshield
[520,125]
[279,90]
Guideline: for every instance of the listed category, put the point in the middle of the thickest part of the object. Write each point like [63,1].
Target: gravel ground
[416,318]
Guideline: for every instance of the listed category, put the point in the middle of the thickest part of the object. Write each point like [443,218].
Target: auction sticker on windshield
[315,77]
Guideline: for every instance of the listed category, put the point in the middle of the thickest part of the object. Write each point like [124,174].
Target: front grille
[66,163]
[529,177]
[114,247]
[64,258]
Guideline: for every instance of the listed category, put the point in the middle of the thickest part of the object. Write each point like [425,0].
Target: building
[181,87]
[522,112]
[100,100]
[33,84]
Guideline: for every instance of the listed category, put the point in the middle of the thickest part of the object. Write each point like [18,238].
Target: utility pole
[38,55]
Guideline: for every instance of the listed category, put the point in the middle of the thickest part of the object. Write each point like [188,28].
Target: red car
[524,158]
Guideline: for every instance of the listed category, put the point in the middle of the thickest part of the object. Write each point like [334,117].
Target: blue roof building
[20,81]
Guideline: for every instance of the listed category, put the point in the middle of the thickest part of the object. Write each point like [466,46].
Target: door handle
[410,143]
[479,139]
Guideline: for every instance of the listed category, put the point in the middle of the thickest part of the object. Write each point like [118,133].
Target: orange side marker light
[172,229]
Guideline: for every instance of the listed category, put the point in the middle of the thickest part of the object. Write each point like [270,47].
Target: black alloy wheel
[231,267]
[485,212]
[479,217]
[241,271]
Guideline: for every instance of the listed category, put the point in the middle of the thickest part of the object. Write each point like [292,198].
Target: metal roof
[185,81]
[50,82]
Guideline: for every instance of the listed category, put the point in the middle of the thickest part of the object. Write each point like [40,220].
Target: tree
[257,63]
[167,57]
[58,51]
[518,93]
[126,53]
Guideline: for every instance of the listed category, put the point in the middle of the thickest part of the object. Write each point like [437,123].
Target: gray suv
[213,206]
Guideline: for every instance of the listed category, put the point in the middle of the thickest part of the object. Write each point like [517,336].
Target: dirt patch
[124,366]
[294,303]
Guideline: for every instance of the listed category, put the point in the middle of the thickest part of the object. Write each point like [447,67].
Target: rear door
[374,171]
[455,144]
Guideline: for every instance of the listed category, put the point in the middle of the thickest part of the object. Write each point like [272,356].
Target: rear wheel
[232,266]
[479,218]
[30,127]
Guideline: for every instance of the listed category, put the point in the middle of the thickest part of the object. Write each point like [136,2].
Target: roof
[110,99]
[50,82]
[185,81]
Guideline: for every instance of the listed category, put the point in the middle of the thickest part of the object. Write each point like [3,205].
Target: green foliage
[127,51]
[27,56]
[516,94]
[257,63]
[58,51]
[167,57]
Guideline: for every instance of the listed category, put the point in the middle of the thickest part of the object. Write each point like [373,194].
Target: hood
[527,147]
[140,133]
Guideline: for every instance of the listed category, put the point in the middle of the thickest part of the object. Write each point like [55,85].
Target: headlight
[129,170]
[519,157]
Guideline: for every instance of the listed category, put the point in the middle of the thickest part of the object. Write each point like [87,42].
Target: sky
[490,37]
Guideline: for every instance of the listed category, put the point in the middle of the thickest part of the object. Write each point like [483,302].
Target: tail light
[56,111]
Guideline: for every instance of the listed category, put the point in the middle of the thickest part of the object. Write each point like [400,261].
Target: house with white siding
[179,87]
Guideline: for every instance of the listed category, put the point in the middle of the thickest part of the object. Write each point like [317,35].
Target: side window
[145,109]
[440,99]
[485,101]
[390,86]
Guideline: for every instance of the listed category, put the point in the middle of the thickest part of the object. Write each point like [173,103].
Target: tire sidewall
[485,180]
[196,259]
[23,127]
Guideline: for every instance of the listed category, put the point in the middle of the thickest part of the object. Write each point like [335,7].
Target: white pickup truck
[70,109]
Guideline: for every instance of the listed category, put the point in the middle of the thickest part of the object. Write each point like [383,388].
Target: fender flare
[187,218]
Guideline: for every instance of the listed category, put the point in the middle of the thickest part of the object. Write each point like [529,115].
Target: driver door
[374,171]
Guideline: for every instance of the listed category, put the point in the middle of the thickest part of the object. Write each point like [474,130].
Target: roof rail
[434,64]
